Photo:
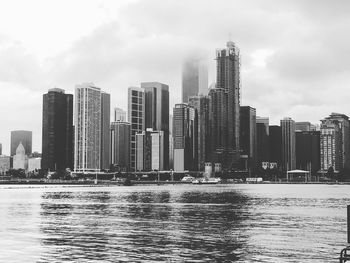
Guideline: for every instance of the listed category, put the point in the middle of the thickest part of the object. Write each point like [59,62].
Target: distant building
[275,144]
[307,150]
[288,144]
[25,137]
[4,164]
[119,115]
[194,78]
[263,143]
[57,130]
[248,136]
[0,149]
[34,164]
[185,137]
[120,144]
[105,130]
[171,143]
[20,159]
[136,117]
[303,126]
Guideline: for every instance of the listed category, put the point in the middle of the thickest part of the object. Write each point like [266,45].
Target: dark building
[57,130]
[120,145]
[275,144]
[248,138]
[0,149]
[288,144]
[21,136]
[262,134]
[308,151]
[201,104]
[185,137]
[157,112]
[105,130]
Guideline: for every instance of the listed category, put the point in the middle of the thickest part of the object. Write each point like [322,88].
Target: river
[173,223]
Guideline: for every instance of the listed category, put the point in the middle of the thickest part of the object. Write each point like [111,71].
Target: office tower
[201,104]
[307,149]
[120,145]
[194,78]
[57,130]
[262,140]
[303,126]
[288,144]
[87,122]
[4,164]
[225,147]
[149,153]
[136,117]
[171,143]
[248,140]
[119,115]
[25,137]
[157,112]
[105,130]
[20,159]
[275,144]
[185,137]
[0,149]
[335,142]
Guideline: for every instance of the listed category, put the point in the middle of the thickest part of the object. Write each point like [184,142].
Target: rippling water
[192,223]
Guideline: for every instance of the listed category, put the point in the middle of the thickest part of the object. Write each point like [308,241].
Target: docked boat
[207,181]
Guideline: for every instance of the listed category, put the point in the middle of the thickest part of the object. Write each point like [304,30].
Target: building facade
[4,164]
[262,133]
[119,115]
[303,126]
[248,136]
[105,130]
[34,164]
[57,130]
[307,149]
[288,144]
[20,159]
[25,137]
[275,145]
[120,145]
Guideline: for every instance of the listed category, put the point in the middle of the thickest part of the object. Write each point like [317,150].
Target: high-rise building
[334,142]
[20,159]
[262,140]
[307,149]
[194,78]
[302,126]
[120,145]
[0,149]
[275,144]
[105,130]
[157,112]
[248,140]
[57,130]
[25,137]
[288,144]
[171,143]
[119,115]
[87,123]
[136,117]
[185,137]
[201,104]
[225,147]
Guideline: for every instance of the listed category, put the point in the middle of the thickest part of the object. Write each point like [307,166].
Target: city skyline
[282,72]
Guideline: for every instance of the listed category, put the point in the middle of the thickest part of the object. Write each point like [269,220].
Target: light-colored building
[20,159]
[119,115]
[288,144]
[4,164]
[34,164]
[105,130]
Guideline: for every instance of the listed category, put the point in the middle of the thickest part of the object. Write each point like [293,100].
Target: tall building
[307,149]
[248,140]
[136,117]
[171,143]
[105,130]
[0,149]
[262,140]
[119,115]
[225,147]
[275,145]
[334,142]
[120,144]
[57,130]
[288,144]
[20,159]
[201,104]
[157,112]
[185,138]
[303,126]
[87,123]
[25,137]
[194,78]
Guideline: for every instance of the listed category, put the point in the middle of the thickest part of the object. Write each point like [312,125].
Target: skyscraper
[194,78]
[119,115]
[275,144]
[225,147]
[248,140]
[262,140]
[0,149]
[185,137]
[25,137]
[157,112]
[87,120]
[136,117]
[57,130]
[120,144]
[288,144]
[201,104]
[307,150]
[105,130]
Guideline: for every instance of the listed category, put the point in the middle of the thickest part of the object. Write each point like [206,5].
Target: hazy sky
[294,54]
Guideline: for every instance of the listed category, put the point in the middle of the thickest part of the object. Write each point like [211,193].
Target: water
[192,223]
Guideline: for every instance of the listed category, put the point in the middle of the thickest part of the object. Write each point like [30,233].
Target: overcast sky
[294,54]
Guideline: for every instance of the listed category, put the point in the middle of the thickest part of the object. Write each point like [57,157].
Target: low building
[4,164]
[34,164]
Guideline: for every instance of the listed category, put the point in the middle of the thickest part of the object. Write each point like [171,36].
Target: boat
[206,180]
